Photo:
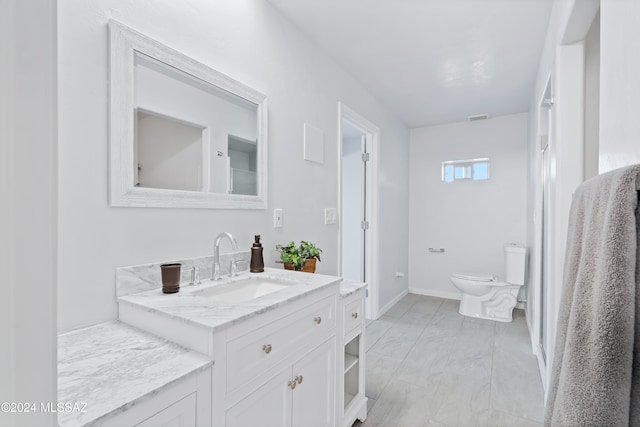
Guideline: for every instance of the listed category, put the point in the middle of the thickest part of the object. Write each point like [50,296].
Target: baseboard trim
[391,303]
[434,293]
[447,295]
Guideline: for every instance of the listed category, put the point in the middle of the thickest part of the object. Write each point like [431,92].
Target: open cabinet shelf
[351,371]
[352,402]
[349,362]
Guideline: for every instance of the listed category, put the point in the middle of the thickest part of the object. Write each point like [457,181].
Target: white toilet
[484,297]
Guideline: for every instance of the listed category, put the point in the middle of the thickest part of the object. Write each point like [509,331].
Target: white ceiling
[432,61]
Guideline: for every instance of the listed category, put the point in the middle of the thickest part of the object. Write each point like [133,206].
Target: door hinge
[366,157]
[364,225]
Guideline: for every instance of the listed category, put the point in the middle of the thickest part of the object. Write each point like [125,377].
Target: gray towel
[596,369]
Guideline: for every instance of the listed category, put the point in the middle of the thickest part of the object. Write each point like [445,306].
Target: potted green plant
[302,257]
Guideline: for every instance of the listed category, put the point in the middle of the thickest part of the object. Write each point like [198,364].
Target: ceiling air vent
[478,117]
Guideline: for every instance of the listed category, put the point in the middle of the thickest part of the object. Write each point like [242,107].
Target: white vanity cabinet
[300,395]
[351,401]
[277,369]
[275,357]
[185,404]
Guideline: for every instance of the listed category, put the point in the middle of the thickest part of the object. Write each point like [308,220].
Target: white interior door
[359,203]
[353,207]
[544,237]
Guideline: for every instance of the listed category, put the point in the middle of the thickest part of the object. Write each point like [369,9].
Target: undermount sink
[243,290]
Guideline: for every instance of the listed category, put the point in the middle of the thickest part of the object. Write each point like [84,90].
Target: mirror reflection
[242,158]
[168,153]
[191,135]
[181,133]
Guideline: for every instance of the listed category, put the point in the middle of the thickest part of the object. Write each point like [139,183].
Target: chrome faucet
[216,253]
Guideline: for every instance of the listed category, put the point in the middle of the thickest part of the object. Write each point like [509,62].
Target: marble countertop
[107,368]
[190,307]
[347,287]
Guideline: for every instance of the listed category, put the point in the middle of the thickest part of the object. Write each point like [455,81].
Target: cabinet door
[268,406]
[314,396]
[180,414]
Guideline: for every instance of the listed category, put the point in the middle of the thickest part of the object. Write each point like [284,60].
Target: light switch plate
[330,216]
[277,218]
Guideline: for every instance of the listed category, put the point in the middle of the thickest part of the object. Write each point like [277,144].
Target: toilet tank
[515,261]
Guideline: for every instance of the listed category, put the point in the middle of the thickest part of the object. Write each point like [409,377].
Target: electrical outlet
[277,218]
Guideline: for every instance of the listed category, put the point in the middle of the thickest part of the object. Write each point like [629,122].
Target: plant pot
[308,267]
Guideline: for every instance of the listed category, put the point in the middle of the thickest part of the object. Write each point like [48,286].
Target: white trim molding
[436,293]
[372,205]
[124,43]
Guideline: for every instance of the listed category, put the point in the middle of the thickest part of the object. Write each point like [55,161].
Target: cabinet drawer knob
[318,320]
[354,315]
[266,348]
[292,384]
[298,378]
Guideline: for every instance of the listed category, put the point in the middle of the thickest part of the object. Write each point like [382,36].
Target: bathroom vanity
[352,402]
[278,348]
[287,348]
[111,374]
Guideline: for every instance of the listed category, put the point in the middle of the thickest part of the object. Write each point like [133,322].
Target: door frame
[566,156]
[544,139]
[567,171]
[372,133]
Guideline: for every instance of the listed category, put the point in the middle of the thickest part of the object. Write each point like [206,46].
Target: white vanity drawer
[259,350]
[353,315]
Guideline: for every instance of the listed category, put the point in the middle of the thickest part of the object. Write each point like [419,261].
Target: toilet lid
[478,277]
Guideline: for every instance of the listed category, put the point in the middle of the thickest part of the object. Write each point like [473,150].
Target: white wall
[169,154]
[7,356]
[249,41]
[592,100]
[393,199]
[28,189]
[472,220]
[619,84]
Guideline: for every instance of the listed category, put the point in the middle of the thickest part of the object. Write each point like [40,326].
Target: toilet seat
[476,277]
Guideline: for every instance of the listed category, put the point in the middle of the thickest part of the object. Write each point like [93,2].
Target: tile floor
[429,366]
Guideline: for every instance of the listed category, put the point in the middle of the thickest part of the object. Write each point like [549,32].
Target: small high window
[474,169]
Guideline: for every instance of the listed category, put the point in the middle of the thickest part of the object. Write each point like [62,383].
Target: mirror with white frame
[181,133]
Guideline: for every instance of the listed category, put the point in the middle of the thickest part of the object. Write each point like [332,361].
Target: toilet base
[497,305]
